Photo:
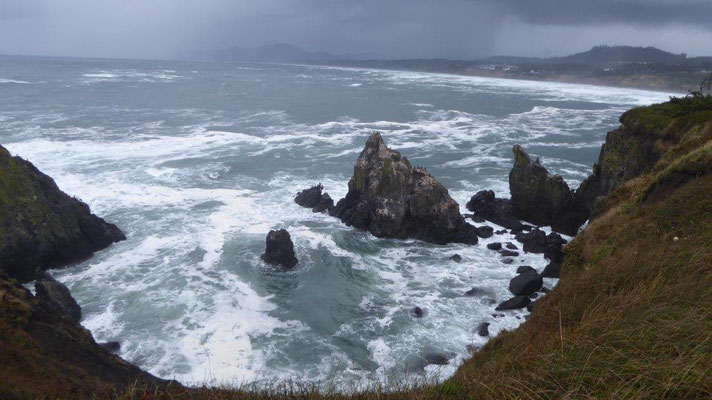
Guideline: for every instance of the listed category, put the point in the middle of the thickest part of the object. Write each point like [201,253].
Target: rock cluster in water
[42,227]
[316,200]
[390,198]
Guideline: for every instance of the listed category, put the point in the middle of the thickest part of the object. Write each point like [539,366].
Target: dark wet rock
[534,241]
[533,296]
[389,198]
[325,205]
[483,329]
[477,218]
[484,231]
[456,257]
[57,295]
[545,290]
[555,239]
[52,354]
[552,270]
[494,246]
[500,232]
[508,253]
[314,198]
[499,211]
[112,347]
[436,359]
[498,315]
[541,198]
[489,301]
[525,283]
[279,249]
[514,303]
[525,268]
[418,312]
[475,292]
[507,260]
[530,306]
[512,246]
[42,227]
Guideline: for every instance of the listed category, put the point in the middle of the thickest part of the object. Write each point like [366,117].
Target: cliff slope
[42,227]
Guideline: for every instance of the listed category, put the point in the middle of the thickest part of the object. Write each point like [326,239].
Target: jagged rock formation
[316,200]
[389,198]
[57,295]
[42,227]
[279,249]
[46,355]
[628,152]
[485,205]
[541,198]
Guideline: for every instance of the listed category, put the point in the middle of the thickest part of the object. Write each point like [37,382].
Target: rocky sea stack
[316,200]
[390,198]
[541,198]
[42,227]
[279,249]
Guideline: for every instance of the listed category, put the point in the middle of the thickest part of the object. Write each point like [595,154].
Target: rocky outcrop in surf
[390,198]
[485,205]
[279,249]
[541,198]
[316,200]
[42,227]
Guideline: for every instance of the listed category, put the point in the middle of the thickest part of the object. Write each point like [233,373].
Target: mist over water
[196,162]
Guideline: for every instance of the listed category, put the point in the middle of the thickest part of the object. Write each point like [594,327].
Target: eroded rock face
[541,198]
[484,204]
[42,227]
[279,249]
[57,295]
[390,198]
[53,355]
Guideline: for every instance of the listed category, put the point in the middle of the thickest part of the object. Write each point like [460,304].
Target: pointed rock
[279,249]
[390,198]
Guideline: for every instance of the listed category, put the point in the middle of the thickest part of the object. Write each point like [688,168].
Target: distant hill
[609,55]
[279,53]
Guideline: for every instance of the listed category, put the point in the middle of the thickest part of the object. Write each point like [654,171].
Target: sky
[463,29]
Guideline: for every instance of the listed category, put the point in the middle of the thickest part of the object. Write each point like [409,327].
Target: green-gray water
[196,162]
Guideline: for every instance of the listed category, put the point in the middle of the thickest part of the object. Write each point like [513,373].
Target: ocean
[197,161]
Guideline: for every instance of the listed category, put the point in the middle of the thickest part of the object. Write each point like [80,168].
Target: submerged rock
[514,303]
[508,253]
[525,283]
[418,312]
[500,211]
[525,268]
[279,249]
[494,246]
[483,329]
[112,347]
[484,231]
[389,198]
[456,257]
[541,198]
[316,200]
[57,295]
[42,227]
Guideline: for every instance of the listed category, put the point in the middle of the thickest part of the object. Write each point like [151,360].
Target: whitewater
[197,161]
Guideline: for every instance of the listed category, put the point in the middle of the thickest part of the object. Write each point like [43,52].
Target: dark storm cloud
[643,12]
[390,28]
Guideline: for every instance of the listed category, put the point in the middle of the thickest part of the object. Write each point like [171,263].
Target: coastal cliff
[630,317]
[42,227]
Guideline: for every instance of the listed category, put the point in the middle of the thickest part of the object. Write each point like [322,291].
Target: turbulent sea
[196,162]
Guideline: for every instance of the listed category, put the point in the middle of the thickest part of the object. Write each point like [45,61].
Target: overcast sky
[385,28]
